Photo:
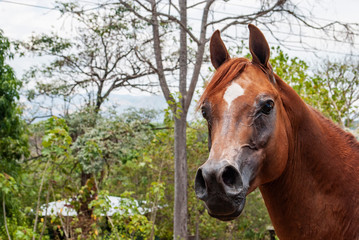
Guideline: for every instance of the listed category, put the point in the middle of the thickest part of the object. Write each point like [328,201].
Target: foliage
[337,90]
[13,147]
[56,159]
[13,136]
[128,222]
[56,140]
[67,150]
[112,140]
[7,184]
[292,70]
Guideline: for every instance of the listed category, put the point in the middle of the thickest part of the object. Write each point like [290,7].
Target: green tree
[13,145]
[85,71]
[55,158]
[335,87]
[13,135]
[71,147]
[292,70]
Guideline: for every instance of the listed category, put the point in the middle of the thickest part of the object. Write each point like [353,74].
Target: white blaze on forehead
[232,92]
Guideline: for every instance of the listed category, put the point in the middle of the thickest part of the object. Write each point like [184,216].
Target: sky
[19,19]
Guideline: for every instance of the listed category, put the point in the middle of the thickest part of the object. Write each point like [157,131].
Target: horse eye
[204,113]
[267,107]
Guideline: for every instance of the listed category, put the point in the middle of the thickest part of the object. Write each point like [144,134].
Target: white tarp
[117,204]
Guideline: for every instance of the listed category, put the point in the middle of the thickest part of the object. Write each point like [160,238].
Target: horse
[262,134]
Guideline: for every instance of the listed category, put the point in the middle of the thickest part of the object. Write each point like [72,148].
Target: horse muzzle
[220,186]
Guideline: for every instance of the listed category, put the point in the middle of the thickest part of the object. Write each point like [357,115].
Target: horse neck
[314,185]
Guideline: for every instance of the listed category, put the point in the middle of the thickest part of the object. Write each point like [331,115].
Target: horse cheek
[276,153]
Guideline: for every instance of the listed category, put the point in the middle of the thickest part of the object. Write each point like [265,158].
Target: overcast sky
[21,18]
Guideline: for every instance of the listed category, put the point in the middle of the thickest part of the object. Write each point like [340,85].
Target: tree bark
[180,205]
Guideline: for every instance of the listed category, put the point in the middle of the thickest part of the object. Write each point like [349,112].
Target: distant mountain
[123,102]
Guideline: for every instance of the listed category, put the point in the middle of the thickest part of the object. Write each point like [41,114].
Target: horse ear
[218,50]
[258,46]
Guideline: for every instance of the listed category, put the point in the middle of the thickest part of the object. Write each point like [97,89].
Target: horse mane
[349,137]
[228,71]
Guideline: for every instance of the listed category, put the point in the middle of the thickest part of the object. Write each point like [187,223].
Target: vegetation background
[74,145]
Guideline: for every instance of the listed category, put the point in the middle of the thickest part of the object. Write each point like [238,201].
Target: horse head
[247,124]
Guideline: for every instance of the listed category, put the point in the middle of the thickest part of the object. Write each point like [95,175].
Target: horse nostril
[200,185]
[231,177]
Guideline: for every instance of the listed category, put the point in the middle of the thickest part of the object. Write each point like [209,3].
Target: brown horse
[261,134]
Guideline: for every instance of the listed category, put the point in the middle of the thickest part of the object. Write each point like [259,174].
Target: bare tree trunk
[113,227]
[38,199]
[155,206]
[180,205]
[45,217]
[4,211]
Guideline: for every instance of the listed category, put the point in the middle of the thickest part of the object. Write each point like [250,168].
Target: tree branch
[199,55]
[4,212]
[158,53]
[38,198]
[183,53]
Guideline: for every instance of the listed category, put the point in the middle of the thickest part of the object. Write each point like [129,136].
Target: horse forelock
[227,72]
